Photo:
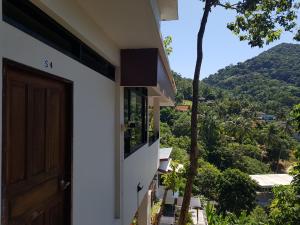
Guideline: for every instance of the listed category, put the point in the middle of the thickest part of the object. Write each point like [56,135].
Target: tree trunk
[194,129]
[161,210]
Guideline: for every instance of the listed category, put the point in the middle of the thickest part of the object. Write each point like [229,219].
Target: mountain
[271,78]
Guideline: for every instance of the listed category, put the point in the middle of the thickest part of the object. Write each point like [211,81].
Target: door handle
[64,185]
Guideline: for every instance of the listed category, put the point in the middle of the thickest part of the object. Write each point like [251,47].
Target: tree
[296,171]
[277,146]
[259,22]
[207,181]
[179,155]
[285,208]
[182,126]
[237,192]
[295,116]
[239,128]
[258,217]
[165,134]
[209,131]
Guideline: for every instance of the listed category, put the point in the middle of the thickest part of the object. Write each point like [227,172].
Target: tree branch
[227,6]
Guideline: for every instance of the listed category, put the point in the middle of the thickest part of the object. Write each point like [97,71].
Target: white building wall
[140,167]
[93,126]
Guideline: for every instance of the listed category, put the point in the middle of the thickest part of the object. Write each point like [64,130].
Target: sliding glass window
[135,118]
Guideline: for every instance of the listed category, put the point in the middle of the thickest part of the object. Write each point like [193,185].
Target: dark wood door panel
[36,150]
[36,130]
[16,130]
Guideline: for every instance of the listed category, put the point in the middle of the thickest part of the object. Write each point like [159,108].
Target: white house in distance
[79,78]
[265,184]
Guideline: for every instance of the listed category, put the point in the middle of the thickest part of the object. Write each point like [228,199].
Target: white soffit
[168,9]
[130,24]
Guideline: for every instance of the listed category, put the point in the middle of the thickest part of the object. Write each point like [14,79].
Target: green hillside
[271,79]
[232,102]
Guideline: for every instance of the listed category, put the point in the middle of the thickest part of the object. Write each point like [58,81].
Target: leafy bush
[237,192]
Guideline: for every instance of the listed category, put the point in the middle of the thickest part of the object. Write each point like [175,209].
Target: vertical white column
[119,121]
[144,211]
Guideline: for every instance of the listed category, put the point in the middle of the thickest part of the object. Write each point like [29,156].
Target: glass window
[135,118]
[153,132]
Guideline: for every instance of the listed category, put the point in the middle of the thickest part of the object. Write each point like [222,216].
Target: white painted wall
[94,125]
[140,167]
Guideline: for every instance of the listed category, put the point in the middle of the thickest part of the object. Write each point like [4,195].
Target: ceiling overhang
[130,24]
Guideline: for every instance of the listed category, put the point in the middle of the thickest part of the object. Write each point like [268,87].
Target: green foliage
[296,171]
[174,180]
[169,115]
[259,22]
[271,79]
[207,180]
[295,116]
[257,217]
[277,144]
[165,134]
[180,144]
[182,127]
[213,218]
[230,136]
[251,166]
[285,208]
[209,130]
[167,45]
[184,88]
[262,21]
[179,155]
[239,127]
[237,192]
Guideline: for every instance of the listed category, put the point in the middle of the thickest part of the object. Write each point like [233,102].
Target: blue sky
[221,47]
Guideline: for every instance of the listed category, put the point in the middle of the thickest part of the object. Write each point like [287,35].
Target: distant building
[268,117]
[183,108]
[266,182]
[201,99]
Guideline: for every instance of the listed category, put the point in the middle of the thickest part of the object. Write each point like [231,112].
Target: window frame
[141,92]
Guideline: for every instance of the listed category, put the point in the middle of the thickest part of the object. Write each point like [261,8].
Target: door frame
[69,135]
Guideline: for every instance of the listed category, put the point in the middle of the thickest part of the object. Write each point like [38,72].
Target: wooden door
[36,154]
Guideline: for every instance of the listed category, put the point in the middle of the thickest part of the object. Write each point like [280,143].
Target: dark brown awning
[144,68]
